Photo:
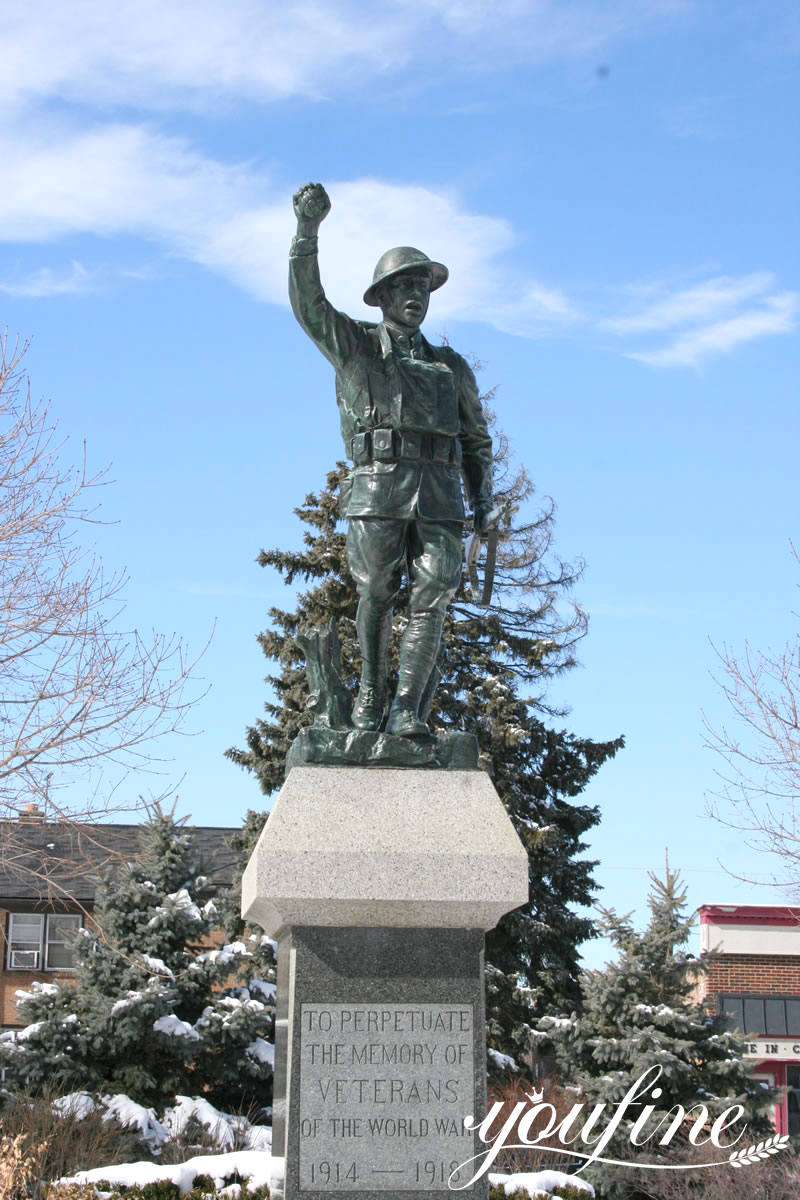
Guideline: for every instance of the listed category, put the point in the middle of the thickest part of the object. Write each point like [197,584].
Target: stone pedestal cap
[379,847]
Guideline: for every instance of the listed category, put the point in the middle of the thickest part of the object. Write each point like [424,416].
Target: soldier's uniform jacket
[411,424]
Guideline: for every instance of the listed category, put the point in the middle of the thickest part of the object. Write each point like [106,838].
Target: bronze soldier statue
[413,426]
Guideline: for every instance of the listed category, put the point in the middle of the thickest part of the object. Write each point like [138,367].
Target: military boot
[418,654]
[374,628]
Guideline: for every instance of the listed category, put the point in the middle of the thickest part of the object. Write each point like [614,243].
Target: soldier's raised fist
[311,203]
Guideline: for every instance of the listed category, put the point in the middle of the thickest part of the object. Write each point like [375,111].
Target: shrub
[17,1167]
[56,1144]
[75,1191]
[161,1189]
[549,1155]
[203,1188]
[203,1183]
[775,1178]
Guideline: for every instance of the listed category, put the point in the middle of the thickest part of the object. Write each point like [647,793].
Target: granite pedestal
[379,885]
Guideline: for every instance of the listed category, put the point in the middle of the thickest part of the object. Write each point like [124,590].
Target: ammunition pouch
[392,445]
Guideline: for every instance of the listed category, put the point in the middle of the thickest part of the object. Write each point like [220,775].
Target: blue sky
[614,188]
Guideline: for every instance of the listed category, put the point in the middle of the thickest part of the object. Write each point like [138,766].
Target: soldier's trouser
[377,551]
[431,551]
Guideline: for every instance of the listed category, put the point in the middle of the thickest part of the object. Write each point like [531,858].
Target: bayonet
[499,513]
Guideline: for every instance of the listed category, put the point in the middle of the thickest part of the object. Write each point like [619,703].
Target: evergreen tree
[229,901]
[641,1011]
[494,664]
[155,1009]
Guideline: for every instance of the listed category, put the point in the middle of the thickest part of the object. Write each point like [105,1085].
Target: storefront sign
[764,1049]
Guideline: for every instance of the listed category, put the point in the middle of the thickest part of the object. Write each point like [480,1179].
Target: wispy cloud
[49,282]
[73,175]
[111,179]
[200,52]
[777,314]
[126,179]
[697,303]
[131,179]
[155,56]
[702,321]
[540,30]
[370,215]
[81,174]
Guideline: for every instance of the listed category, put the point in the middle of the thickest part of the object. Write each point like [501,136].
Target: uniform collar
[410,343]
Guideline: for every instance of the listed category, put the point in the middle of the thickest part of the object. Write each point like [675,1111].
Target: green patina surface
[414,429]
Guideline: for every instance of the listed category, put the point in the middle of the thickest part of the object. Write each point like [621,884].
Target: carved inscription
[384,1090]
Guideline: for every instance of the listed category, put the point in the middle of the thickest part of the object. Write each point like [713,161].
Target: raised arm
[333,332]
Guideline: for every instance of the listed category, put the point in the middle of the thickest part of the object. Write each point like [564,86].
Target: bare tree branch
[759,791]
[78,691]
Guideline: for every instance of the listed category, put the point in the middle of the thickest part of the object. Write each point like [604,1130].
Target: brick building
[756,980]
[48,880]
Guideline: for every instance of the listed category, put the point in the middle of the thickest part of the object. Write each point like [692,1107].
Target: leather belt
[392,445]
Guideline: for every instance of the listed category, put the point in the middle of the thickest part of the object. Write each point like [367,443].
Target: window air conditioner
[24,960]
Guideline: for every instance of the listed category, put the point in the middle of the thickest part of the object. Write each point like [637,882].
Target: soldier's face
[405,298]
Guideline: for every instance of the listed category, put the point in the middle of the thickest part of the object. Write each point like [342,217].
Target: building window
[42,941]
[60,941]
[25,936]
[770,1016]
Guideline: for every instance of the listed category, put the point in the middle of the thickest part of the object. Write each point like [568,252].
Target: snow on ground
[260,1168]
[539,1183]
[253,1165]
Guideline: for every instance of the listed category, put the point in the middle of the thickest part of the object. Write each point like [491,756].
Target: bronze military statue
[413,427]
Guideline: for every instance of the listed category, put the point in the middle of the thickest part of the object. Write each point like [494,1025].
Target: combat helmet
[404,258]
